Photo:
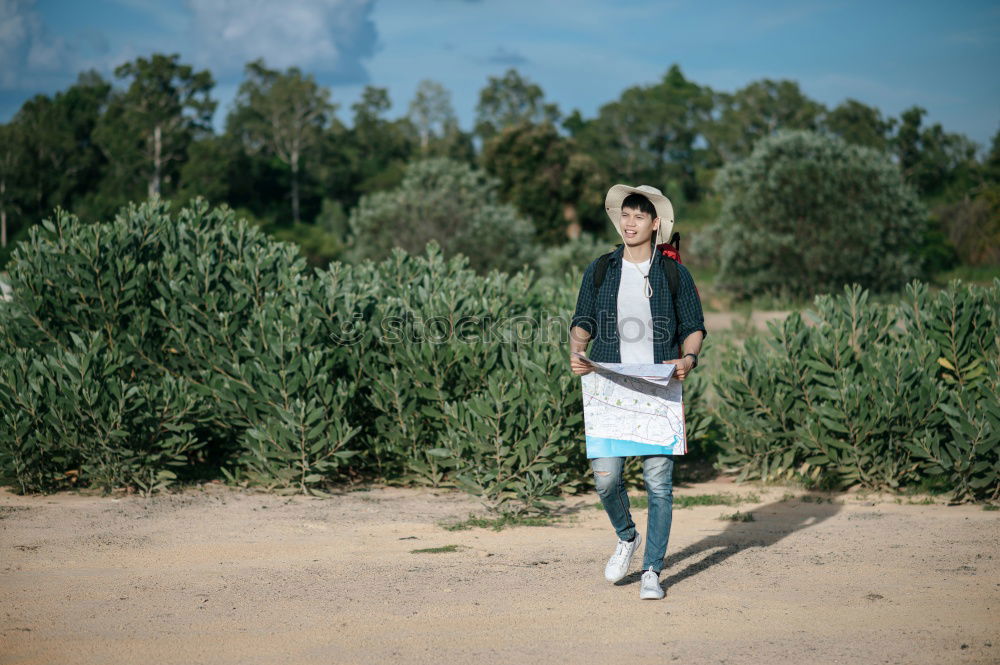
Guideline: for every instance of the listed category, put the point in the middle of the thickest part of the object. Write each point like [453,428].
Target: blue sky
[941,56]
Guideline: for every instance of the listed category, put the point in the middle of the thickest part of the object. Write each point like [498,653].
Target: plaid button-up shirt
[597,312]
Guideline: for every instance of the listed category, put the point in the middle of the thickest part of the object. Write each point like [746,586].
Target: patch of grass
[436,550]
[926,501]
[691,500]
[991,506]
[641,501]
[499,523]
[638,501]
[737,517]
[723,499]
[787,496]
[812,498]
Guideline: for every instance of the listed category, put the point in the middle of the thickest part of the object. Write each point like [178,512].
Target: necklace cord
[647,289]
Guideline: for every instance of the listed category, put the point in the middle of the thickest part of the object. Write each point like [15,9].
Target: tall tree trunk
[295,187]
[154,184]
[572,219]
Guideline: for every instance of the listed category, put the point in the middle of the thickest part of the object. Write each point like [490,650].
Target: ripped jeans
[657,471]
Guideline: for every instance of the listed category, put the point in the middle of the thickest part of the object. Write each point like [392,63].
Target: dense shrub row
[155,348]
[161,348]
[877,395]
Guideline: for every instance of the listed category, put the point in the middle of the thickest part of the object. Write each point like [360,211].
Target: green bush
[972,226]
[77,415]
[153,342]
[500,450]
[148,350]
[163,347]
[447,201]
[806,214]
[399,328]
[429,342]
[876,395]
[571,257]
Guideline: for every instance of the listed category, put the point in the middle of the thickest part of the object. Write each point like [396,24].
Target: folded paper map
[632,410]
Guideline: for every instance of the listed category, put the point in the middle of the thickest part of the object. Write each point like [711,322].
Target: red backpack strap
[672,249]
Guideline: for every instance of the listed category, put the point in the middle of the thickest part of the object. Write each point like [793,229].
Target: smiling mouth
[630,233]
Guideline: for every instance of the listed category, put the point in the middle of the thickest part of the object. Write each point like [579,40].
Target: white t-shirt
[635,320]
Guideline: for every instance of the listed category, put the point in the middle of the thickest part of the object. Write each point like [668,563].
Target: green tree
[972,225]
[650,134]
[380,148]
[8,172]
[511,99]
[806,214]
[431,112]
[548,178]
[283,115]
[759,110]
[433,117]
[991,162]
[58,163]
[148,127]
[449,202]
[860,124]
[215,166]
[931,158]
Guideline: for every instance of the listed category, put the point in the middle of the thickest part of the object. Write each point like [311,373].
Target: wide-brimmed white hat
[664,209]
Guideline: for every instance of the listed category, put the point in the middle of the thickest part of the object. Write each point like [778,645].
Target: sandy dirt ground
[220,575]
[757,320]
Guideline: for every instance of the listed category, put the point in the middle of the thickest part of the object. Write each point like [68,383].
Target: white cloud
[322,36]
[26,47]
[13,36]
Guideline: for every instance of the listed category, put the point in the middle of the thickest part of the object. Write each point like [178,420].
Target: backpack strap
[601,268]
[673,253]
[669,270]
[673,277]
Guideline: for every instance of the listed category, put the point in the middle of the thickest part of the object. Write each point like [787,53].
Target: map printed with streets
[632,410]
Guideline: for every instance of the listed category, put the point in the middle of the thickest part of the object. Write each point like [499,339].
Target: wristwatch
[695,356]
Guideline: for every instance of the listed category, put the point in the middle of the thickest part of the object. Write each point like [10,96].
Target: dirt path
[754,320]
[226,576]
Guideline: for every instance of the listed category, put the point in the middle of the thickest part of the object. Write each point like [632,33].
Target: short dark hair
[641,203]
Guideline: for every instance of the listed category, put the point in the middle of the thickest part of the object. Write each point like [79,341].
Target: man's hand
[684,365]
[577,365]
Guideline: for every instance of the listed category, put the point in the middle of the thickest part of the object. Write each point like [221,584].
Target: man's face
[638,227]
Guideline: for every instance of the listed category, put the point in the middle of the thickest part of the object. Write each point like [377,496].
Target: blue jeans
[658,472]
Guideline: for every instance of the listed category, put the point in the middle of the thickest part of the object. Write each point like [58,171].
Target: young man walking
[631,317]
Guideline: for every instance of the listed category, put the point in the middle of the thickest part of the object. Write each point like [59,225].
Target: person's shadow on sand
[772,522]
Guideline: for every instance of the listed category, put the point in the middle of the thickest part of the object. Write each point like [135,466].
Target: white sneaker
[618,563]
[651,585]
